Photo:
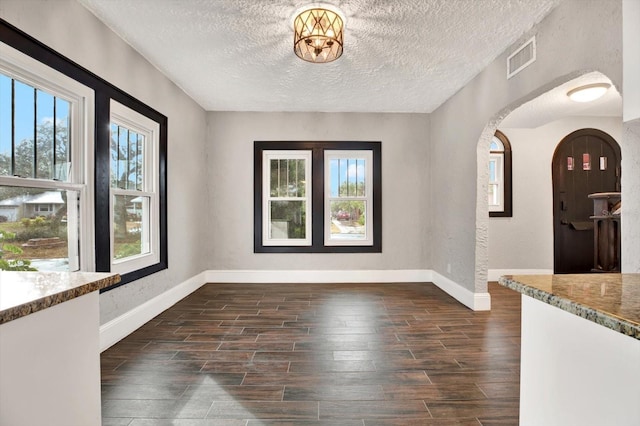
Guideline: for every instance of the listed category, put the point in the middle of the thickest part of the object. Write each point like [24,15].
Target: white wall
[577,37]
[525,241]
[69,28]
[405,186]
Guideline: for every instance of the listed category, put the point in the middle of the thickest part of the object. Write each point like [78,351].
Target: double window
[82,168]
[500,203]
[317,197]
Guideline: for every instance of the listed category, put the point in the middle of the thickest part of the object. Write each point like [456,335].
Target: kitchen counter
[580,349]
[23,293]
[50,348]
[611,300]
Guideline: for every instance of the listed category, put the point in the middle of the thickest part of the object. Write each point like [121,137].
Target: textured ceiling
[399,55]
[555,104]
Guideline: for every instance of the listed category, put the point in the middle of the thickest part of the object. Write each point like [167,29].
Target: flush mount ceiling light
[318,35]
[589,92]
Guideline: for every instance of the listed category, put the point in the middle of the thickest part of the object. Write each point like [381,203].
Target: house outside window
[500,177]
[317,197]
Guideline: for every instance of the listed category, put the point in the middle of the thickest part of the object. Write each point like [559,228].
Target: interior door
[585,161]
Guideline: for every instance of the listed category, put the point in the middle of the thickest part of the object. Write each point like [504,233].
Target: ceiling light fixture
[318,35]
[589,92]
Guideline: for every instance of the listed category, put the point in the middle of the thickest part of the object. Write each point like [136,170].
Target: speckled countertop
[611,300]
[23,293]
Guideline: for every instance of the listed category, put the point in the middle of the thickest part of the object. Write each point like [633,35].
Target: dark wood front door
[585,161]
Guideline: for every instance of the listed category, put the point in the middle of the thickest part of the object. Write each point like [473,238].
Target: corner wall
[70,29]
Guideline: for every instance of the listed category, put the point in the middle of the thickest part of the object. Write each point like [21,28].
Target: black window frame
[317,195]
[507,210]
[104,92]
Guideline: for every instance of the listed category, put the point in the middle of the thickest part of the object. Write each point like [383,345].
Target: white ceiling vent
[524,56]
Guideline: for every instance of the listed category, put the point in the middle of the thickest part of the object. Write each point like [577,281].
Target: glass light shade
[318,35]
[588,93]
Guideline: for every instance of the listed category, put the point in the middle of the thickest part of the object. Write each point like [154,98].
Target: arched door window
[500,204]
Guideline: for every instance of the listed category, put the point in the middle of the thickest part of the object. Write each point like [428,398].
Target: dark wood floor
[300,354]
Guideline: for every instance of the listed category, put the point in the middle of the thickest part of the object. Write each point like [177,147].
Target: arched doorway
[585,162]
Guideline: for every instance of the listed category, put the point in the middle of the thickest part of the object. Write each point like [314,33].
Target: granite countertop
[611,300]
[23,293]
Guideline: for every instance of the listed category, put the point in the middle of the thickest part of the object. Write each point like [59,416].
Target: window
[287,199]
[46,221]
[317,197]
[500,203]
[62,198]
[348,197]
[134,200]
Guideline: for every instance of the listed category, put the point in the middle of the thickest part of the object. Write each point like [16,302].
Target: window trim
[317,195]
[507,205]
[99,130]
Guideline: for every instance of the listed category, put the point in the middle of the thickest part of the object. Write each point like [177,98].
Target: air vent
[521,58]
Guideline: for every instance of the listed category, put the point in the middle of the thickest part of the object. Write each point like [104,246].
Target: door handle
[564,222]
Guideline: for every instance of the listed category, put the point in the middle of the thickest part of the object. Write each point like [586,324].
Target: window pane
[287,178]
[493,194]
[348,220]
[347,177]
[63,140]
[492,170]
[5,125]
[287,220]
[127,150]
[24,131]
[496,145]
[130,226]
[114,155]
[44,135]
[139,162]
[39,229]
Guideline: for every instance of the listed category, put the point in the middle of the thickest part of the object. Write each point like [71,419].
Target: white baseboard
[494,274]
[117,329]
[332,276]
[475,301]
[120,327]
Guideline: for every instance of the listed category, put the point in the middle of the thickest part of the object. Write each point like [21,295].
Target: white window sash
[132,120]
[367,156]
[267,156]
[498,182]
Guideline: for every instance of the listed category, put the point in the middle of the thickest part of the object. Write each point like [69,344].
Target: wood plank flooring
[311,354]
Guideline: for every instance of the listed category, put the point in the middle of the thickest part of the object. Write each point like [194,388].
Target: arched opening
[523,243]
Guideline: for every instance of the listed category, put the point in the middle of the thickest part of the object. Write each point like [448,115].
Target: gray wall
[578,36]
[631,156]
[525,241]
[405,187]
[69,28]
